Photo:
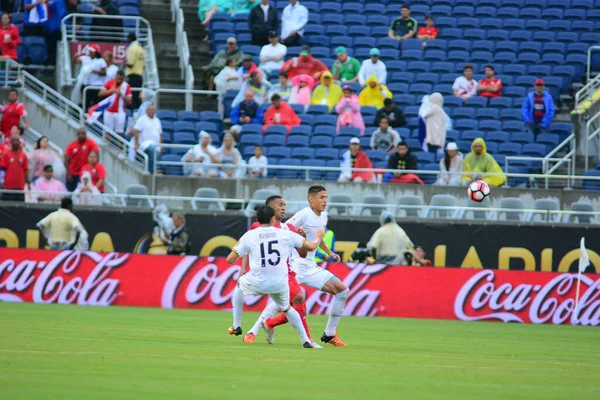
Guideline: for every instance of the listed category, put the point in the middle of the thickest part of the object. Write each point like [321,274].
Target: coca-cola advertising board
[113,279]
[119,50]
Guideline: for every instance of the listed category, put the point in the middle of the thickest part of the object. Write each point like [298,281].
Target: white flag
[584,260]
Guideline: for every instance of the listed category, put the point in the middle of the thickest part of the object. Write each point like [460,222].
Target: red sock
[301,308]
[276,321]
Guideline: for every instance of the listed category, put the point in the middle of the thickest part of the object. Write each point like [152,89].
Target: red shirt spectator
[16,165]
[121,102]
[97,171]
[77,153]
[10,37]
[428,32]
[490,86]
[305,64]
[13,112]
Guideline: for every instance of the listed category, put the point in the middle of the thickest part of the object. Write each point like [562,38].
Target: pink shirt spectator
[49,185]
[348,110]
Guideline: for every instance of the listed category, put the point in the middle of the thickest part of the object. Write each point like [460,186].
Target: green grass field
[70,352]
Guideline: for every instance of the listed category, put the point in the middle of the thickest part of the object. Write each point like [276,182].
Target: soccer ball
[479,191]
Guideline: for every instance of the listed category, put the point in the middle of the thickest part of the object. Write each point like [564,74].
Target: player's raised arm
[313,244]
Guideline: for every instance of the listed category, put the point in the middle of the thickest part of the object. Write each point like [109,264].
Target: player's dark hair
[264,214]
[406,6]
[121,72]
[66,203]
[314,189]
[429,17]
[468,66]
[14,90]
[271,199]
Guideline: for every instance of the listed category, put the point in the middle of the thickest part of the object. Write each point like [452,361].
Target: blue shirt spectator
[247,112]
[538,109]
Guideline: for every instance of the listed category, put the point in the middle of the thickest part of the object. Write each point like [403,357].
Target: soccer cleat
[315,344]
[249,338]
[270,333]
[307,345]
[235,331]
[333,340]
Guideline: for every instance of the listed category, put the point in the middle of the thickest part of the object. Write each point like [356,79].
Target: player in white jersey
[312,219]
[269,249]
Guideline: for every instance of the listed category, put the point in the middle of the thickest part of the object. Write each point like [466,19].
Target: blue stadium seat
[505,57]
[514,92]
[428,78]
[490,126]
[476,101]
[303,153]
[574,15]
[561,128]
[513,126]
[534,149]
[465,124]
[211,127]
[358,31]
[352,8]
[287,173]
[497,137]
[522,137]
[506,46]
[312,6]
[440,11]
[376,155]
[553,59]
[483,45]
[411,111]
[562,4]
[530,47]
[579,48]
[507,12]
[324,130]
[317,40]
[315,30]
[467,23]
[374,20]
[420,89]
[500,102]
[306,119]
[445,23]
[317,109]
[583,4]
[474,34]
[364,42]
[349,132]
[487,114]
[345,41]
[273,140]
[549,139]
[341,142]
[510,149]
[315,175]
[173,170]
[167,137]
[184,126]
[402,77]
[354,19]
[464,146]
[471,135]
[591,38]
[166,115]
[297,141]
[457,56]
[589,184]
[539,70]
[525,81]
[511,114]
[326,120]
[452,101]
[36,50]
[582,26]
[404,99]
[463,11]
[481,57]
[129,11]
[530,13]
[278,152]
[318,142]
[451,33]
[568,37]
[512,3]
[250,140]
[190,116]
[184,138]
[463,112]
[515,69]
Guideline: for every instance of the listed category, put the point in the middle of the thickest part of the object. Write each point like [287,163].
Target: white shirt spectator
[256,164]
[293,18]
[368,68]
[111,72]
[150,131]
[465,88]
[95,79]
[270,52]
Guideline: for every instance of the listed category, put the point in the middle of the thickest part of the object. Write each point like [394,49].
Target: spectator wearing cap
[10,37]
[97,76]
[246,68]
[272,54]
[384,138]
[374,93]
[393,113]
[490,86]
[246,112]
[207,8]
[465,86]
[373,66]
[228,78]
[263,21]
[16,170]
[305,64]
[328,93]
[135,60]
[428,32]
[451,166]
[538,109]
[404,27]
[281,113]
[401,161]
[283,88]
[345,68]
[348,110]
[352,159]
[293,20]
[257,85]
[76,156]
[48,184]
[220,59]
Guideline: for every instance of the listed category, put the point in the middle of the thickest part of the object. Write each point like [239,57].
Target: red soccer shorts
[294,285]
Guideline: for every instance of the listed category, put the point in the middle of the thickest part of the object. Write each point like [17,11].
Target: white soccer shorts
[313,276]
[280,293]
[115,121]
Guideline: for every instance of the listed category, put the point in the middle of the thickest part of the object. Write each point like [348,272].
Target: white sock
[337,309]
[237,303]
[269,311]
[294,319]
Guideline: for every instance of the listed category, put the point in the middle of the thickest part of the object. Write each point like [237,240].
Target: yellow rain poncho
[480,165]
[327,95]
[374,96]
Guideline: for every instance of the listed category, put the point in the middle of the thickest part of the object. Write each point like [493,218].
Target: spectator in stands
[259,87]
[490,86]
[16,167]
[207,8]
[97,76]
[228,78]
[478,163]
[306,64]
[247,112]
[147,98]
[37,13]
[428,32]
[179,242]
[302,86]
[385,138]
[118,96]
[244,6]
[355,158]
[402,160]
[87,193]
[12,113]
[202,155]
[283,88]
[47,183]
[389,243]
[62,230]
[272,54]
[111,68]
[10,35]
[374,93]
[293,20]
[19,132]
[52,27]
[372,66]
[451,166]
[7,6]
[328,93]
[219,60]
[43,155]
[136,60]
[465,86]
[393,113]
[107,7]
[147,134]
[538,109]
[345,69]
[231,159]
[96,170]
[435,120]
[247,68]
[257,166]
[280,113]
[404,27]
[348,110]
[76,156]
[263,21]
[418,258]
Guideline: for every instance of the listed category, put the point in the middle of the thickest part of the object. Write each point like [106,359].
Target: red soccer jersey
[79,153]
[10,49]
[12,116]
[7,144]
[98,172]
[489,82]
[428,31]
[16,166]
[114,108]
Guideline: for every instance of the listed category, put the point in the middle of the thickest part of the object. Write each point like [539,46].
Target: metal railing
[590,135]
[592,84]
[79,27]
[183,50]
[10,74]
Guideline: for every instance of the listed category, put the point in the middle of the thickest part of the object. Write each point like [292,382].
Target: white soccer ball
[479,191]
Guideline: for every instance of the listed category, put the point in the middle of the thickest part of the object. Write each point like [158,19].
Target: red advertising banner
[119,50]
[104,279]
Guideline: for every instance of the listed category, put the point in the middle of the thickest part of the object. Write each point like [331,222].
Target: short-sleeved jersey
[310,222]
[268,249]
[402,26]
[278,225]
[12,116]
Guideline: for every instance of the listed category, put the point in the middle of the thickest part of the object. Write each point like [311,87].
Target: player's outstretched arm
[330,253]
[312,245]
[232,257]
